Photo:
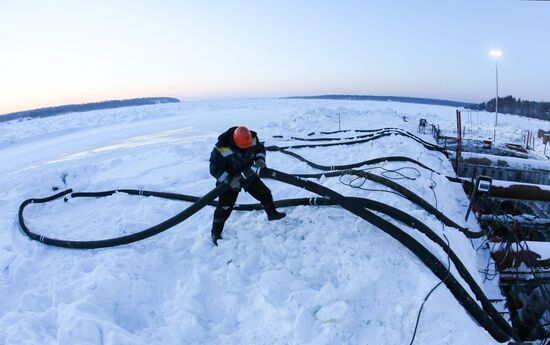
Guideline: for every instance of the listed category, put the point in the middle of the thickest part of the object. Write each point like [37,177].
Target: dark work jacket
[227,159]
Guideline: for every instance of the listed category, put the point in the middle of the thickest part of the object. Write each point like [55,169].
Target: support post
[458,141]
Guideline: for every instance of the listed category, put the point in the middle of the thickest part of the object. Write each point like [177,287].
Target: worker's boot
[217,228]
[272,213]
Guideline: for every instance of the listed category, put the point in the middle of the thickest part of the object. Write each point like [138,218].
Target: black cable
[400,176]
[382,133]
[431,291]
[432,187]
[489,275]
[386,173]
[360,185]
[482,243]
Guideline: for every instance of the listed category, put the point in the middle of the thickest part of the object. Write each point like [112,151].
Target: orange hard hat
[242,137]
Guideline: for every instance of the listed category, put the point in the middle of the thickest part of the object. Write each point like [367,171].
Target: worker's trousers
[252,185]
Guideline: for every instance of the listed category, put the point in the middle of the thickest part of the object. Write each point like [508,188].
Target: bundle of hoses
[348,168]
[486,315]
[374,134]
[405,192]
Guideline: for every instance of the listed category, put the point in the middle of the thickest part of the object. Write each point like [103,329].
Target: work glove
[234,182]
[248,173]
[261,163]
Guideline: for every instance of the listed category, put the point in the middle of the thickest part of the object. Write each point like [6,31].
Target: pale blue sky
[58,52]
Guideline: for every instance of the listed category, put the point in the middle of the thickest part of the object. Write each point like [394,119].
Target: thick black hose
[357,164]
[112,242]
[408,241]
[412,136]
[354,130]
[363,139]
[359,141]
[371,132]
[329,138]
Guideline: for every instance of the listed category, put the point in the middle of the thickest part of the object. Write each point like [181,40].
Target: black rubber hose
[112,242]
[359,141]
[370,131]
[408,241]
[354,130]
[341,131]
[324,139]
[386,182]
[358,164]
[380,134]
[334,132]
[412,136]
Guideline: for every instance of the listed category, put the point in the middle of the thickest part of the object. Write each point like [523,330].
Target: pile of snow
[320,276]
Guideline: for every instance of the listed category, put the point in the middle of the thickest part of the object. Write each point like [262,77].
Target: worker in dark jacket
[231,161]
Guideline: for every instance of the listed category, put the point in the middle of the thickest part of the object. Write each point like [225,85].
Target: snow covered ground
[320,276]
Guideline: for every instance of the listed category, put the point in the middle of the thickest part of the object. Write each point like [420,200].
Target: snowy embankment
[320,276]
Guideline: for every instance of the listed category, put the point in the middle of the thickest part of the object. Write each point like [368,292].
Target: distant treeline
[431,101]
[510,105]
[70,108]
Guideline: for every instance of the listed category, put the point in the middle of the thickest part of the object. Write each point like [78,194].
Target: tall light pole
[496,55]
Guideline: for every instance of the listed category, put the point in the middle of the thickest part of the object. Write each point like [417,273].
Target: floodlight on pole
[496,54]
